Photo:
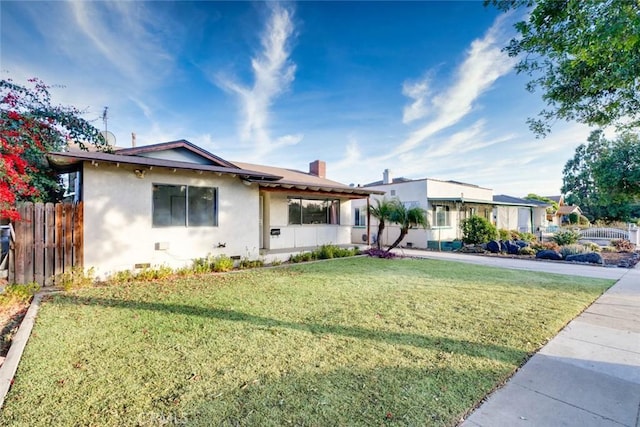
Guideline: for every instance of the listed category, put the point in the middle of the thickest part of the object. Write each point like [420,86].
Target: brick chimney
[318,168]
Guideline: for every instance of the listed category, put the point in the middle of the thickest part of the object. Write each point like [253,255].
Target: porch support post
[368,224]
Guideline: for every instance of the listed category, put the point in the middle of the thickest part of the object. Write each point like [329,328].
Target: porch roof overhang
[70,162]
[480,202]
[317,189]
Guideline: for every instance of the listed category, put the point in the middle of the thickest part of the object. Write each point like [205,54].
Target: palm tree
[382,212]
[407,219]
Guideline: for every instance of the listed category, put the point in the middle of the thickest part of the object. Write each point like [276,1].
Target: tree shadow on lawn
[436,396]
[469,348]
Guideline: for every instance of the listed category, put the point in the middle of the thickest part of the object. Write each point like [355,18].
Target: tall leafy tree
[603,177]
[584,55]
[31,126]
[382,212]
[406,218]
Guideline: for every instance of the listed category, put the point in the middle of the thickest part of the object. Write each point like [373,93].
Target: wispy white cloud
[418,91]
[273,73]
[483,65]
[126,35]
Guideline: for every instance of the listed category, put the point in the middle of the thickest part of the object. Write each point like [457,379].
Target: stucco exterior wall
[305,235]
[437,189]
[118,230]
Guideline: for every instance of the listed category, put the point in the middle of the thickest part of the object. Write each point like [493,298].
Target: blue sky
[420,88]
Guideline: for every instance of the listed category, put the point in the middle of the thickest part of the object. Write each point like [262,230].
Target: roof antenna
[109,137]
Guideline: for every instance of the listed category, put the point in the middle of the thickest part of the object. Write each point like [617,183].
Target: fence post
[78,236]
[49,243]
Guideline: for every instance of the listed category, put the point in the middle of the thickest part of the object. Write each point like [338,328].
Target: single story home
[169,203]
[447,204]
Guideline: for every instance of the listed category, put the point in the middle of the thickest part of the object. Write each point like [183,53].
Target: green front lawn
[357,341]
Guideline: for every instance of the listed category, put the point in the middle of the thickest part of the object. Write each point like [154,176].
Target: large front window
[184,205]
[441,216]
[314,211]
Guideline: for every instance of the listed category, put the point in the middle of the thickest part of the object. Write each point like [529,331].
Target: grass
[355,341]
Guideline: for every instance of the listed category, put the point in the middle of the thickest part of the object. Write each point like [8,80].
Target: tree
[407,218]
[382,212]
[603,178]
[585,57]
[550,210]
[30,126]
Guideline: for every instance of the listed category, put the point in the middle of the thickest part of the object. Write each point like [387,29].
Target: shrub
[148,274]
[18,294]
[567,237]
[122,277]
[222,263]
[623,245]
[75,278]
[326,251]
[608,249]
[247,263]
[592,247]
[527,250]
[583,220]
[528,237]
[276,262]
[476,230]
[574,218]
[504,234]
[380,253]
[541,246]
[572,250]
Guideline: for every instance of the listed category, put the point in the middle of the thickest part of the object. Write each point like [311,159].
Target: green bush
[18,294]
[574,218]
[541,246]
[222,263]
[249,263]
[75,278]
[477,230]
[567,237]
[504,234]
[528,237]
[592,247]
[527,250]
[122,277]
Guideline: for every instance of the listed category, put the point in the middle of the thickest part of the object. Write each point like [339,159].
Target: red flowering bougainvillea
[29,128]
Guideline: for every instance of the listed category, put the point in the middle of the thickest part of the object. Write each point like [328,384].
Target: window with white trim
[184,206]
[441,216]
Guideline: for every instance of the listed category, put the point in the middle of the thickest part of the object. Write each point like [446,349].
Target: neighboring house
[166,204]
[561,216]
[447,204]
[563,213]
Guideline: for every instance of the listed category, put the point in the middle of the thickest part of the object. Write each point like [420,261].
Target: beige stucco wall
[118,230]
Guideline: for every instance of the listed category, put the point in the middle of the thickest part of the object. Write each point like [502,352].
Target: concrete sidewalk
[588,375]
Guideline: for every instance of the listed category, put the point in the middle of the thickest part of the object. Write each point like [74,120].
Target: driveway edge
[19,342]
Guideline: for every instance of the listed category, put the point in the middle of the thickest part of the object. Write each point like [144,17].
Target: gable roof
[568,209]
[265,176]
[173,145]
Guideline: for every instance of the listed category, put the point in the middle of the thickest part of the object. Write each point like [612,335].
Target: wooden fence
[46,241]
